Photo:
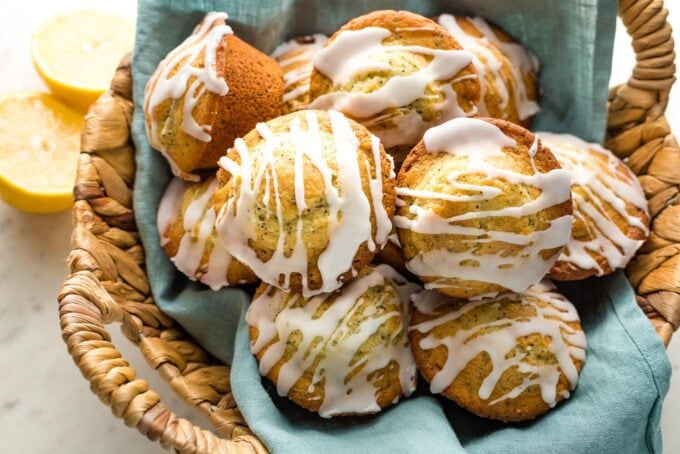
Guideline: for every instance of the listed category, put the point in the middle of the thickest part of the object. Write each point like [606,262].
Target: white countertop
[45,404]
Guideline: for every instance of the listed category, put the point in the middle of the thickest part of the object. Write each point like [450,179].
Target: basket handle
[638,131]
[84,308]
[645,95]
[103,262]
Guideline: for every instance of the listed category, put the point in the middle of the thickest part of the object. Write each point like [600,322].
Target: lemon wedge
[39,148]
[76,54]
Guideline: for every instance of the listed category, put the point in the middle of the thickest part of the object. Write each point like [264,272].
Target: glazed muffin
[209,90]
[511,357]
[484,208]
[508,72]
[186,224]
[611,220]
[295,60]
[398,74]
[305,200]
[344,353]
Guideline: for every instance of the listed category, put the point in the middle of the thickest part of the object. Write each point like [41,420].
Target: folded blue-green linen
[617,405]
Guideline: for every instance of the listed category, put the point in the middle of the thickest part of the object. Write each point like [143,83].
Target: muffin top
[186,225]
[507,70]
[340,353]
[610,209]
[295,60]
[509,357]
[397,73]
[193,62]
[305,200]
[482,207]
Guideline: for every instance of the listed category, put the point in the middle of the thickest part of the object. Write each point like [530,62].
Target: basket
[108,284]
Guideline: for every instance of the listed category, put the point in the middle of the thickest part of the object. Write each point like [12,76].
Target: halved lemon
[39,148]
[77,53]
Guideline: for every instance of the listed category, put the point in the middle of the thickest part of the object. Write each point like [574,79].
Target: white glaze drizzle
[522,62]
[551,320]
[478,140]
[170,206]
[349,209]
[483,58]
[199,227]
[162,86]
[347,387]
[605,183]
[292,52]
[352,54]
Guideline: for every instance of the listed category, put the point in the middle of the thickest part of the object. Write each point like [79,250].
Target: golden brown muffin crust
[423,168]
[585,227]
[407,29]
[294,61]
[375,302]
[492,96]
[464,390]
[315,218]
[237,272]
[255,84]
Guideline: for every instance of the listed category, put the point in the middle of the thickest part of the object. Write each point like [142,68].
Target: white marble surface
[45,404]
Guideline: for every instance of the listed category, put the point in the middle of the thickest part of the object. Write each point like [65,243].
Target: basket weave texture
[108,283]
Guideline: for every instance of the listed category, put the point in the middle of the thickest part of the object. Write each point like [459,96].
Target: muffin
[508,72]
[209,90]
[611,220]
[186,225]
[343,353]
[295,60]
[486,208]
[511,357]
[305,200]
[398,74]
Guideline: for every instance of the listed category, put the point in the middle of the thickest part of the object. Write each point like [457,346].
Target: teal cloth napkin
[617,405]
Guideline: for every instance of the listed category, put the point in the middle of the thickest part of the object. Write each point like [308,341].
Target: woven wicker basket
[108,282]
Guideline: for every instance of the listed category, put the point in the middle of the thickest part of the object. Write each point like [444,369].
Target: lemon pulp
[76,54]
[39,148]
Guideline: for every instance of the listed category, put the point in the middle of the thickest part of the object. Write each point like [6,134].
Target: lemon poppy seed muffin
[482,207]
[508,72]
[295,60]
[343,353]
[396,73]
[511,357]
[305,200]
[186,224]
[611,220]
[207,91]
